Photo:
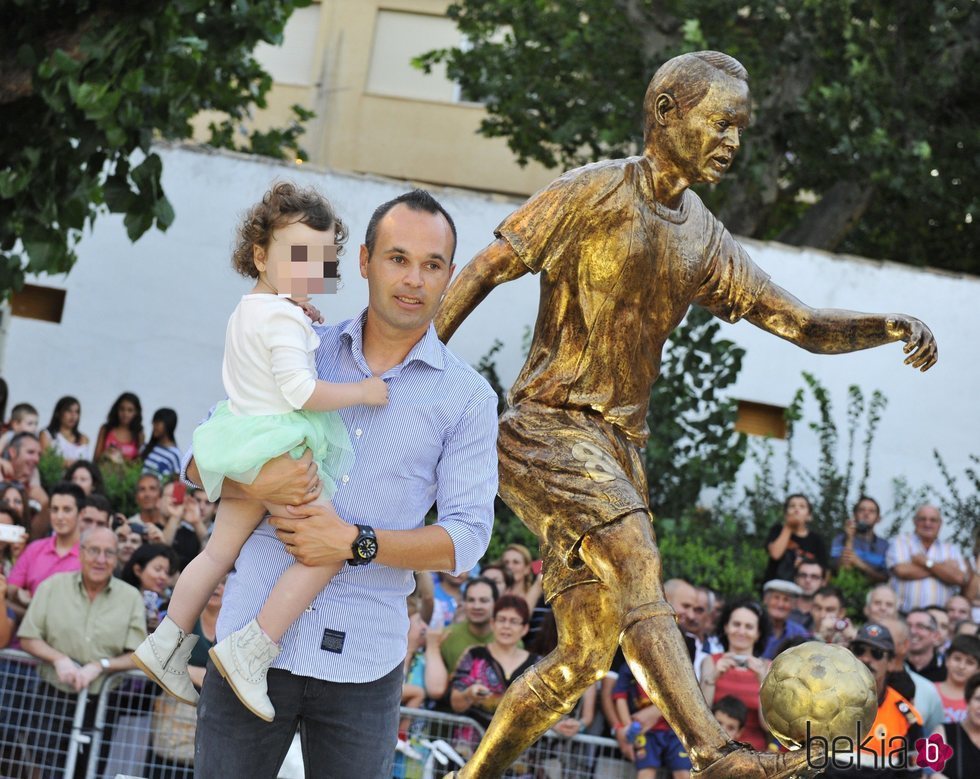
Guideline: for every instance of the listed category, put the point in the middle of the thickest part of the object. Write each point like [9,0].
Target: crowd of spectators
[70,561]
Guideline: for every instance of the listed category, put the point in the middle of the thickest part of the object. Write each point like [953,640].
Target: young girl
[161,455]
[121,437]
[289,243]
[63,433]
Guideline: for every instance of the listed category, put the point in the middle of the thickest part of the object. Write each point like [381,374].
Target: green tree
[85,89]
[864,133]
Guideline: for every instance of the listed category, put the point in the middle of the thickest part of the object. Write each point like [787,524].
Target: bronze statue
[624,248]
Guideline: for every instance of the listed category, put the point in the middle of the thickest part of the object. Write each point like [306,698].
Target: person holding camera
[740,669]
[858,547]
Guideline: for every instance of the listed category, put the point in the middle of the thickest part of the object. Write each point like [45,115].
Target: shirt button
[358,432]
[345,478]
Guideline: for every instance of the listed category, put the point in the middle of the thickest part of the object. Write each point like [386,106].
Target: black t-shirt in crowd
[808,547]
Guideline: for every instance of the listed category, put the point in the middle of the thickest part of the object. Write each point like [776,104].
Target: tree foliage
[864,131]
[86,86]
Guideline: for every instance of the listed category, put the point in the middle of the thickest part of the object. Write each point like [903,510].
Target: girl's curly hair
[283,204]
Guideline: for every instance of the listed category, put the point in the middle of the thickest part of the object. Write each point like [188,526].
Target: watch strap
[365,546]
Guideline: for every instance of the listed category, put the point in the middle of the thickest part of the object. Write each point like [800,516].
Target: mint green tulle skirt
[234,447]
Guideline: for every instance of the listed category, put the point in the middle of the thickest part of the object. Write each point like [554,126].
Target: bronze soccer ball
[820,684]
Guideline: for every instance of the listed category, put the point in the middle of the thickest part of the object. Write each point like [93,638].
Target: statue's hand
[920,344]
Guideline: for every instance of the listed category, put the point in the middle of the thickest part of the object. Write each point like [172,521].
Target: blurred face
[729,724]
[968,629]
[478,604]
[70,416]
[876,660]
[778,605]
[942,622]
[83,479]
[973,709]
[147,493]
[158,429]
[810,578]
[90,517]
[958,609]
[25,459]
[296,260]
[98,554]
[867,512]
[702,614]
[960,667]
[14,499]
[742,631]
[922,636]
[129,542]
[127,413]
[496,576]
[155,576]
[206,506]
[684,598]
[798,508]
[826,606]
[882,605]
[64,515]
[515,563]
[26,425]
[508,627]
[927,523]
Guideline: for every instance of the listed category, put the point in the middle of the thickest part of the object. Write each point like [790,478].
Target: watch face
[367,548]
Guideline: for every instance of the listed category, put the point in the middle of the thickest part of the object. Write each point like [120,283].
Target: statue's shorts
[564,473]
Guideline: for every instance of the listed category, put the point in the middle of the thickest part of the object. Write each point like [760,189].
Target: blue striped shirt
[435,442]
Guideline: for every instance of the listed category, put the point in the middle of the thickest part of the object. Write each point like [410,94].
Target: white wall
[150,317]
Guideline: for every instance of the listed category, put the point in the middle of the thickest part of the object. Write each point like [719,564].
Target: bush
[120,484]
[51,468]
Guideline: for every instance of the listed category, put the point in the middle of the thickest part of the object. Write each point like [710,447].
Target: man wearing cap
[779,597]
[880,754]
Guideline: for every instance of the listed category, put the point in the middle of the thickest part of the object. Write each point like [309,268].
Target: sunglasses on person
[859,650]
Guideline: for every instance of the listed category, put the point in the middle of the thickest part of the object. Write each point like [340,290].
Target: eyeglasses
[859,650]
[94,553]
[515,622]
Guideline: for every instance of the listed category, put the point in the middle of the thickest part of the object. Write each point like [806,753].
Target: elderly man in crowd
[880,603]
[779,598]
[925,570]
[81,626]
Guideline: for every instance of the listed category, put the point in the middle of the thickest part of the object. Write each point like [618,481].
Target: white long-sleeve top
[268,365]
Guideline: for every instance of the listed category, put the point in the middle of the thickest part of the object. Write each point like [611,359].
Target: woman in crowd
[130,539]
[791,541]
[161,455]
[517,559]
[740,669]
[10,550]
[149,570]
[499,575]
[86,475]
[62,433]
[121,437]
[963,737]
[484,673]
[15,496]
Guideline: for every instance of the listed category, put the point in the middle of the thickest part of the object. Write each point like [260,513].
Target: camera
[841,625]
[861,527]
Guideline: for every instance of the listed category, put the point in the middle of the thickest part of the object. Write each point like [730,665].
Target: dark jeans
[347,730]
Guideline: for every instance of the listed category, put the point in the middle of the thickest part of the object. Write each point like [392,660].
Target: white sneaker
[163,657]
[243,659]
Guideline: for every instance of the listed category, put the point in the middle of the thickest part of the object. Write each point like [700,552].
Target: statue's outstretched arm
[835,331]
[494,265]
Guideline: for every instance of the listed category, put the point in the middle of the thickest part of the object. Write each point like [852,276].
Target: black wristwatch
[365,546]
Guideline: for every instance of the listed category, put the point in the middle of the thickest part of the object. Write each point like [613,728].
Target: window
[37,302]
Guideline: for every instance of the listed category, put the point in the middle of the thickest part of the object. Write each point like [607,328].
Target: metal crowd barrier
[133,730]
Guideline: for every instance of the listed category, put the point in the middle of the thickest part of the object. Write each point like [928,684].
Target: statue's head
[696,107]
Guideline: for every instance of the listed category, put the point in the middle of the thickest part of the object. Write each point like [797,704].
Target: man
[96,512]
[958,609]
[706,642]
[924,640]
[624,249]
[148,492]
[23,453]
[56,554]
[830,621]
[779,598]
[896,717]
[448,593]
[809,577]
[858,547]
[926,697]
[81,625]
[479,595]
[925,570]
[184,529]
[880,603]
[943,626]
[339,672]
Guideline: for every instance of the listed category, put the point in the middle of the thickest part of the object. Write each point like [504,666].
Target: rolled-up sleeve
[467,482]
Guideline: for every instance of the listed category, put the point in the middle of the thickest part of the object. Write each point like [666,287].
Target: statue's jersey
[618,272]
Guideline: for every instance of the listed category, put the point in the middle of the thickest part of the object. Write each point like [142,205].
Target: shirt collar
[77,576]
[427,350]
[53,544]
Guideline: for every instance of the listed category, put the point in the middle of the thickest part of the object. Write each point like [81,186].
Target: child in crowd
[962,662]
[289,243]
[23,419]
[654,744]
[731,714]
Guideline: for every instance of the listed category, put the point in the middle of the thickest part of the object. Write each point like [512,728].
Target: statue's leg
[587,623]
[624,554]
